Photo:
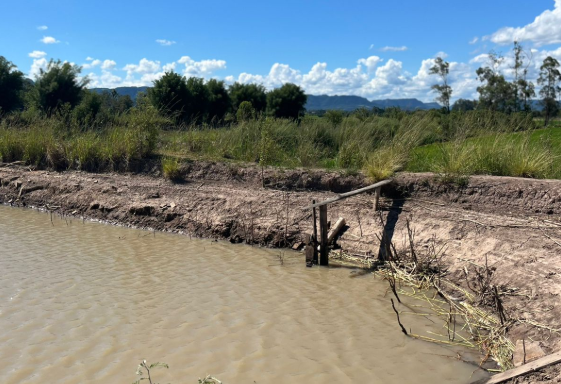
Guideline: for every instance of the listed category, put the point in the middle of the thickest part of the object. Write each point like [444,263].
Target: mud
[512,224]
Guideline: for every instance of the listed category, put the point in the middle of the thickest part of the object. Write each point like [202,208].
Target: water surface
[85,302]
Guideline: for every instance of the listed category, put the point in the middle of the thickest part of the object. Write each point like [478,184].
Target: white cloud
[371,77]
[42,27]
[169,67]
[89,58]
[394,49]
[203,68]
[544,30]
[92,64]
[106,80]
[37,54]
[37,65]
[371,46]
[441,54]
[49,40]
[370,63]
[108,65]
[165,43]
[474,40]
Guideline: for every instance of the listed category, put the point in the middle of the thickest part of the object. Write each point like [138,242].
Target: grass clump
[499,155]
[385,161]
[171,168]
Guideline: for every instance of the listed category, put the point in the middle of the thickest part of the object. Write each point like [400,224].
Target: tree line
[189,101]
[498,94]
[196,101]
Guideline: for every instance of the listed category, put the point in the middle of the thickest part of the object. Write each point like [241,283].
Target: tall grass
[499,155]
[54,143]
[395,154]
[476,142]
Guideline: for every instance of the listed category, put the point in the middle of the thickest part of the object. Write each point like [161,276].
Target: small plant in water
[143,366]
[209,380]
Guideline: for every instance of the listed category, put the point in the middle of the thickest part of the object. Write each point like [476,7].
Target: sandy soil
[512,224]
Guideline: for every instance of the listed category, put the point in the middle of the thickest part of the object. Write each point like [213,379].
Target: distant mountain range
[321,102]
[350,103]
[123,91]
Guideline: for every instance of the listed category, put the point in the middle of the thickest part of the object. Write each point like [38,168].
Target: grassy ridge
[455,145]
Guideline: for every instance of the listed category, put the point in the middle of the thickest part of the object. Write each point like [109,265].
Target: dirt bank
[512,224]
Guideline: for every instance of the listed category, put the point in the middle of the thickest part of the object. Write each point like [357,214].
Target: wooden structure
[324,238]
[523,369]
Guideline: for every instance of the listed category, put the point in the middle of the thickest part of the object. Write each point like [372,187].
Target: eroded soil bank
[513,225]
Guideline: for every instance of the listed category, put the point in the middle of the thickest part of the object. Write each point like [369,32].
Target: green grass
[55,144]
[534,154]
[455,145]
[171,168]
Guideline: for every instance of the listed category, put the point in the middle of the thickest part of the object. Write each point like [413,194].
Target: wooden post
[376,198]
[315,238]
[323,258]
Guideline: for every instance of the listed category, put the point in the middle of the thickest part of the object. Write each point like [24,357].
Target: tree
[335,117]
[549,80]
[442,69]
[11,86]
[218,100]
[89,108]
[197,106]
[116,104]
[253,93]
[170,95]
[287,102]
[58,85]
[496,93]
[524,88]
[245,112]
[464,105]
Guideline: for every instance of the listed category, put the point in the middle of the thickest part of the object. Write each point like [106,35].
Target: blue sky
[369,48]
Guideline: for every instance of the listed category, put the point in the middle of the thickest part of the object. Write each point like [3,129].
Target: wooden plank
[315,238]
[526,368]
[349,194]
[324,256]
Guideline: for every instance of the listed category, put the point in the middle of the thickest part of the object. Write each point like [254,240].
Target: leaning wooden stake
[339,225]
[323,258]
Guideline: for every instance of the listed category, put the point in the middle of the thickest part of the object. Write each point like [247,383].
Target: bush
[245,112]
[334,117]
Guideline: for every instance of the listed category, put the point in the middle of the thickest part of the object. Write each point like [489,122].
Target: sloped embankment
[513,225]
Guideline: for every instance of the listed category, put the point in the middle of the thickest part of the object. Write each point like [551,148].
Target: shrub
[171,168]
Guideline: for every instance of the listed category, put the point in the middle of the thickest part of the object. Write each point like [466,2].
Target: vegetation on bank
[56,122]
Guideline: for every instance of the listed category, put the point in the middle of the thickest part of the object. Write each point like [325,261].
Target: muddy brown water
[85,302]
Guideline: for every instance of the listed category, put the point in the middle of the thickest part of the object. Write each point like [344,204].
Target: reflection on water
[86,302]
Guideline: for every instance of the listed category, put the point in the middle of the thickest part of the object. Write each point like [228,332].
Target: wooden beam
[349,194]
[526,368]
[324,252]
